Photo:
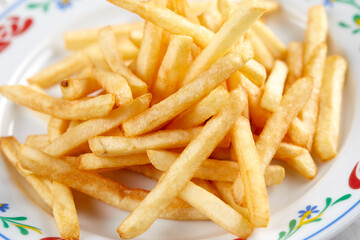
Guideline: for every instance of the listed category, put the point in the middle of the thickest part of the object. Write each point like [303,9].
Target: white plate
[36,42]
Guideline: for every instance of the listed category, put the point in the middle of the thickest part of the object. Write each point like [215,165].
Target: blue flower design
[63,4]
[308,208]
[329,3]
[4,207]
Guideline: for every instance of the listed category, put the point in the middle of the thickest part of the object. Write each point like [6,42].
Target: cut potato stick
[94,185]
[211,19]
[221,153]
[298,132]
[251,174]
[114,83]
[274,87]
[274,175]
[37,141]
[78,39]
[179,174]
[237,190]
[225,38]
[254,71]
[147,170]
[136,37]
[9,147]
[53,74]
[91,162]
[316,31]
[188,95]
[225,7]
[273,43]
[328,124]
[64,211]
[56,127]
[207,185]
[70,110]
[271,6]
[80,134]
[172,67]
[75,88]
[278,123]
[295,63]
[261,53]
[201,111]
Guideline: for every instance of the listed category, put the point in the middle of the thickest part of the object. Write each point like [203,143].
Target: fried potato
[255,72]
[295,63]
[261,53]
[56,127]
[75,88]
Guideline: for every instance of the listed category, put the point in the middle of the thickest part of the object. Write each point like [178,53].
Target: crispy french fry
[172,67]
[146,170]
[71,110]
[189,94]
[207,185]
[114,83]
[274,87]
[56,127]
[221,153]
[261,53]
[211,19]
[80,134]
[201,111]
[75,88]
[225,7]
[278,123]
[274,175]
[316,31]
[255,72]
[94,185]
[295,63]
[37,141]
[271,6]
[64,211]
[237,190]
[91,162]
[55,73]
[135,37]
[328,124]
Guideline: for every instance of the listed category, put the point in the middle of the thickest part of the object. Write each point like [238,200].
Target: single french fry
[251,174]
[37,141]
[316,31]
[226,7]
[328,124]
[298,132]
[274,87]
[261,53]
[201,111]
[211,19]
[295,63]
[147,170]
[80,134]
[220,153]
[254,71]
[207,185]
[136,37]
[172,67]
[271,6]
[78,39]
[237,190]
[274,175]
[71,110]
[188,95]
[91,162]
[56,127]
[278,123]
[53,74]
[64,211]
[114,83]
[75,88]
[94,185]
[9,147]
[273,43]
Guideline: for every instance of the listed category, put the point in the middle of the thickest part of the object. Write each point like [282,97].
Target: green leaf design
[356,31]
[23,231]
[292,225]
[346,196]
[33,5]
[344,25]
[46,7]
[317,220]
[16,218]
[6,225]
[282,234]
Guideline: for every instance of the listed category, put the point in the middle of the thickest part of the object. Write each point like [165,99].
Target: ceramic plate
[30,38]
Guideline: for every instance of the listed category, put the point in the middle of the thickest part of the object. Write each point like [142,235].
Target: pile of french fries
[200,96]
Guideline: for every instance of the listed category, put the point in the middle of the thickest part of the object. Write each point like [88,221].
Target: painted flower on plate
[63,4]
[4,207]
[329,2]
[309,209]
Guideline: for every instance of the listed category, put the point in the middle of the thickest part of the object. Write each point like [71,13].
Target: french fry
[91,162]
[75,40]
[146,170]
[64,211]
[80,134]
[316,31]
[56,127]
[94,185]
[114,83]
[135,37]
[186,96]
[295,63]
[273,43]
[37,141]
[271,6]
[220,153]
[328,124]
[237,190]
[261,53]
[9,147]
[172,67]
[251,174]
[254,71]
[225,7]
[53,74]
[207,185]
[70,110]
[274,175]
[278,123]
[211,18]
[201,111]
[274,87]
[75,88]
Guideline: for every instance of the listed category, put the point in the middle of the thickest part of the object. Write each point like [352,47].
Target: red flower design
[354,181]
[51,238]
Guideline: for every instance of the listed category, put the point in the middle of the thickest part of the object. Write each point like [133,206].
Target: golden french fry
[221,153]
[71,110]
[147,170]
[136,37]
[37,141]
[295,63]
[80,134]
[261,53]
[274,87]
[94,185]
[316,31]
[271,6]
[188,95]
[251,174]
[328,124]
[114,83]
[274,175]
[211,19]
[207,185]
[172,67]
[254,71]
[53,74]
[75,88]
[278,123]
[201,111]
[91,162]
[237,190]
[56,127]
[64,211]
